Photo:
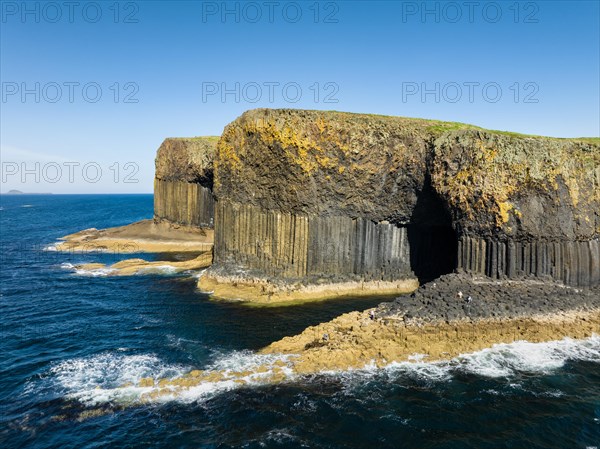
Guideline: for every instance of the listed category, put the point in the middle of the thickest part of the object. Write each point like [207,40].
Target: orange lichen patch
[481,170]
[505,208]
[476,172]
[226,153]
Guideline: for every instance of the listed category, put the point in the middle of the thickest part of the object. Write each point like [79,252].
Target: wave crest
[115,377]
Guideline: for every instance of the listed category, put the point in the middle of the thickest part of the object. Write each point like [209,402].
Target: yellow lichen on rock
[486,172]
[505,208]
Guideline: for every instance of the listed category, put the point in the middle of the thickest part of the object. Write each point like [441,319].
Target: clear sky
[90,89]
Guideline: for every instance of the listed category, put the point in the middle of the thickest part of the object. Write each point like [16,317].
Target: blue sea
[69,339]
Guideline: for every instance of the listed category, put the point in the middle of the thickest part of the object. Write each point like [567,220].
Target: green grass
[442,127]
[438,127]
[197,138]
[594,140]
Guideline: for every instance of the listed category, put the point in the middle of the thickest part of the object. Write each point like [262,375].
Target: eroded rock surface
[183,181]
[453,315]
[323,194]
[188,159]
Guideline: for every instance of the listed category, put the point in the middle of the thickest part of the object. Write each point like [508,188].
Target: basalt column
[184,180]
[574,263]
[317,197]
[311,197]
[186,203]
[310,247]
[523,206]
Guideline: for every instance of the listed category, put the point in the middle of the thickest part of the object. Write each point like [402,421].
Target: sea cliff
[183,181]
[183,216]
[484,237]
[323,199]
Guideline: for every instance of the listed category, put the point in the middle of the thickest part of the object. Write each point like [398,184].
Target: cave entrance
[433,242]
[433,251]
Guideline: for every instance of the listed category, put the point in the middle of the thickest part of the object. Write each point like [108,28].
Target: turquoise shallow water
[62,335]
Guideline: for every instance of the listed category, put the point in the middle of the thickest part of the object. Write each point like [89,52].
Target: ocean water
[69,339]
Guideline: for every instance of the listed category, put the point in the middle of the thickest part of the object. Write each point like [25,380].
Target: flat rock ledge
[453,315]
[252,287]
[152,236]
[463,296]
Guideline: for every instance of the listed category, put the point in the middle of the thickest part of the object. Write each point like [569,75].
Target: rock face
[522,205]
[311,195]
[328,196]
[183,181]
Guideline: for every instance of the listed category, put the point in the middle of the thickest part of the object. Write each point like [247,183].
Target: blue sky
[88,90]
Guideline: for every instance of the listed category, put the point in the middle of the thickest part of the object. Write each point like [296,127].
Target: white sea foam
[105,271]
[505,360]
[179,342]
[100,379]
[247,361]
[499,361]
[280,436]
[110,369]
[95,272]
[418,370]
[195,274]
[158,269]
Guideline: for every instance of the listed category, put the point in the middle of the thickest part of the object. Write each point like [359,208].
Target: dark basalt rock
[184,180]
[467,296]
[187,159]
[322,193]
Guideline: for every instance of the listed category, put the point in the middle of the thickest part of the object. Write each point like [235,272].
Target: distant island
[18,192]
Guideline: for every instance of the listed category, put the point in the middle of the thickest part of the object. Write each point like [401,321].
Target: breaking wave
[95,272]
[114,377]
[158,269]
[504,360]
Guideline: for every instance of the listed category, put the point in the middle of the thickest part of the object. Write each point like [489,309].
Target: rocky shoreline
[191,245]
[305,205]
[455,314]
[158,236]
[461,296]
[227,283]
[130,267]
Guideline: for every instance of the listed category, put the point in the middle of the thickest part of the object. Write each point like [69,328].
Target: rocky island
[311,203]
[487,236]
